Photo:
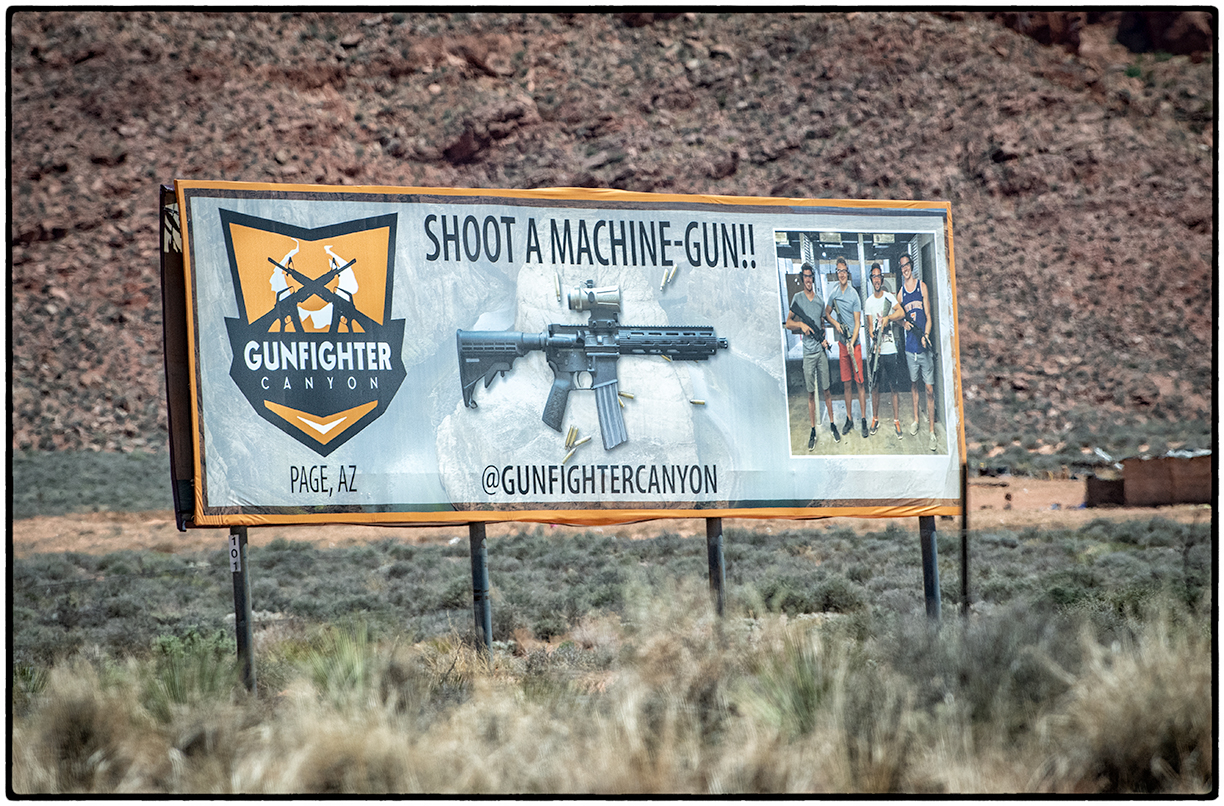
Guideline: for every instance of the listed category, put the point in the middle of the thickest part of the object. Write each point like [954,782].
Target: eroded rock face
[1187,33]
[1176,32]
[1047,27]
[1081,184]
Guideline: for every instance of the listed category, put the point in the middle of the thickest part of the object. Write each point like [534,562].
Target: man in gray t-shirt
[810,304]
[845,311]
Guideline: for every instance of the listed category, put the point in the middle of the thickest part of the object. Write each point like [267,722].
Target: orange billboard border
[574,517]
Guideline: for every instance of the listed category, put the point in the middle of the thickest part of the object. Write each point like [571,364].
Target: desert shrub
[456,594]
[859,572]
[791,594]
[43,568]
[341,661]
[1004,539]
[947,541]
[285,558]
[675,669]
[1147,533]
[401,552]
[560,680]
[189,669]
[28,682]
[1121,565]
[992,668]
[121,606]
[119,563]
[40,643]
[549,624]
[308,607]
[400,568]
[879,730]
[1069,586]
[507,620]
[836,594]
[793,685]
[266,594]
[812,592]
[997,589]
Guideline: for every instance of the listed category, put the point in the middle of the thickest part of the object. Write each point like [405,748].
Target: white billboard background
[427,452]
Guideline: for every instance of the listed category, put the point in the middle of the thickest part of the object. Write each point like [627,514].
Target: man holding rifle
[881,310]
[916,308]
[806,317]
[845,311]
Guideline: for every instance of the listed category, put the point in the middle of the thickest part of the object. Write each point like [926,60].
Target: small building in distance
[1176,477]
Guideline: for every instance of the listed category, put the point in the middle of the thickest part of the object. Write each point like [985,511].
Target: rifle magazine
[611,420]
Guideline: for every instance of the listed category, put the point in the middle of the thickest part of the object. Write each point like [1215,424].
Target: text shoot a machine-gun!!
[592,348]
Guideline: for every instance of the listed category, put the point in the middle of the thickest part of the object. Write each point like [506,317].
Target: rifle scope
[587,298]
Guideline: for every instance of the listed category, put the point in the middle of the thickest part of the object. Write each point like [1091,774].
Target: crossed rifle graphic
[317,287]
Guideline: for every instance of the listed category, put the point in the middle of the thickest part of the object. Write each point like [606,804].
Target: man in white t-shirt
[882,309]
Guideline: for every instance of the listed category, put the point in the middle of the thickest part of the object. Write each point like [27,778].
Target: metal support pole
[480,584]
[930,565]
[718,569]
[964,541]
[243,626]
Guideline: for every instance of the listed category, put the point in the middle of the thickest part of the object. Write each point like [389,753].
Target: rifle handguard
[569,349]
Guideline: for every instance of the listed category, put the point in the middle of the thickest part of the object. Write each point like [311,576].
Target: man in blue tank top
[915,303]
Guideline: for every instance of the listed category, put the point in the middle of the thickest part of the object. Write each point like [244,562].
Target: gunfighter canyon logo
[315,350]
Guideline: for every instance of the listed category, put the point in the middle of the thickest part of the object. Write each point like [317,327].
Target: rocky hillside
[1080,173]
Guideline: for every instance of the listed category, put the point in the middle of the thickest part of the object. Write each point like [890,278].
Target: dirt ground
[1034,502]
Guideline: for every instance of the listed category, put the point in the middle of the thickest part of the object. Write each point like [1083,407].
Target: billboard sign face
[409,355]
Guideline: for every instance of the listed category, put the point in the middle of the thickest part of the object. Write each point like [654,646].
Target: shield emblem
[315,350]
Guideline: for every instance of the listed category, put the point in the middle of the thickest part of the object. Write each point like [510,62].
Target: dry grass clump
[80,740]
[1138,716]
[664,699]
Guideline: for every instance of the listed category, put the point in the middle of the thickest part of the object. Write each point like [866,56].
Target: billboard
[429,356]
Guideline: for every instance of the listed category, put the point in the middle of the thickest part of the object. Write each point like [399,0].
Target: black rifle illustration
[593,348]
[818,331]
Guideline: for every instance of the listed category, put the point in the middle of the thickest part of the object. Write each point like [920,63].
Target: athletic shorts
[890,374]
[816,371]
[845,363]
[921,361]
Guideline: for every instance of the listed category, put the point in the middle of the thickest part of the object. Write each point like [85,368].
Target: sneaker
[849,426]
[897,425]
[914,428]
[933,442]
[875,424]
[836,436]
[812,439]
[864,422]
